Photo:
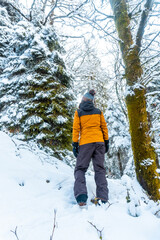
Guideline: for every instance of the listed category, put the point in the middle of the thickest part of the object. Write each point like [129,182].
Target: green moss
[141,144]
[133,69]
[122,22]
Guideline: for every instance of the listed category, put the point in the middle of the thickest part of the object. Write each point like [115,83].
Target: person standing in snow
[90,141]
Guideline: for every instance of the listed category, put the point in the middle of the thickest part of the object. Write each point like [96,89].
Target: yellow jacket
[89,124]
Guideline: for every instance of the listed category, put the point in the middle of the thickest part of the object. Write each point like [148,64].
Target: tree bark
[143,152]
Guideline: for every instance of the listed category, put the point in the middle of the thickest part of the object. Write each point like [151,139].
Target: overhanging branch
[19,11]
[143,21]
[64,16]
[49,14]
[32,9]
[150,43]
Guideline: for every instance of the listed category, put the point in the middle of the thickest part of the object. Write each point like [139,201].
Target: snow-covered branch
[51,11]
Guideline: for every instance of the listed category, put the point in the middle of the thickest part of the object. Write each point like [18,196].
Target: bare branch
[70,13]
[15,233]
[131,13]
[95,25]
[44,5]
[19,11]
[150,43]
[69,36]
[98,231]
[107,16]
[150,58]
[64,16]
[31,9]
[144,18]
[49,14]
[54,224]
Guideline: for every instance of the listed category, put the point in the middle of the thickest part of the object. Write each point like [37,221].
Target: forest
[51,53]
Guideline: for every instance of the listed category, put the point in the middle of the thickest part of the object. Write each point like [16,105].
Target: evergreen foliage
[35,88]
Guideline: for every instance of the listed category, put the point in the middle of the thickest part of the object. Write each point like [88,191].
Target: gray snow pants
[94,151]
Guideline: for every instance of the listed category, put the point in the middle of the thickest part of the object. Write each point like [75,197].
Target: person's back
[90,124]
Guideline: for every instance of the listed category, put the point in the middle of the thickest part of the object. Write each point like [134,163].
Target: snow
[61,119]
[33,120]
[33,185]
[147,162]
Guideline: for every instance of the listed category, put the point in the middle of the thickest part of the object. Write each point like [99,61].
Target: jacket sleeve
[76,127]
[104,127]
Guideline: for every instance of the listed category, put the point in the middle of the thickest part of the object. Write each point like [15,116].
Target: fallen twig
[98,231]
[110,204]
[157,212]
[54,224]
[15,233]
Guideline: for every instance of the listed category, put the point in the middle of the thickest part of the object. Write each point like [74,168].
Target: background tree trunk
[144,153]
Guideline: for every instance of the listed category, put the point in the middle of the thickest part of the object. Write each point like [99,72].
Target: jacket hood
[86,105]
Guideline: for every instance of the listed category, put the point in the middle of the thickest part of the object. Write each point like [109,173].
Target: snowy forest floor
[33,186]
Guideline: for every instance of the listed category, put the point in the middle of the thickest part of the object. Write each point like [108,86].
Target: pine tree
[35,87]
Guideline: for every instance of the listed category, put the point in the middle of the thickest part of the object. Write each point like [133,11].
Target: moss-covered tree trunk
[144,154]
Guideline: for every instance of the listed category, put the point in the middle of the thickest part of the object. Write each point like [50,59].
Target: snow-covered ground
[33,186]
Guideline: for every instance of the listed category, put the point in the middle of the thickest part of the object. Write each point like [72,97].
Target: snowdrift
[34,186]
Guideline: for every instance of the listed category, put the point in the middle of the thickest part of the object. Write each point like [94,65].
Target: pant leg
[100,178]
[82,164]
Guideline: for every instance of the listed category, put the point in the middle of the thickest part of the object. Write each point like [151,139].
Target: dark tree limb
[31,9]
[107,16]
[54,225]
[143,22]
[98,231]
[150,42]
[64,16]
[131,13]
[15,233]
[49,14]
[19,11]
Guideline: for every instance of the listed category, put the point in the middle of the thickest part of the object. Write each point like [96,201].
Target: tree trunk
[144,153]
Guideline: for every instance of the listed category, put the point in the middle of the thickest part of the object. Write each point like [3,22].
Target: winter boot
[98,201]
[82,199]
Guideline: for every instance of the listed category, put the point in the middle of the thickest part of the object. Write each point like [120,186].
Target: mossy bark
[144,153]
